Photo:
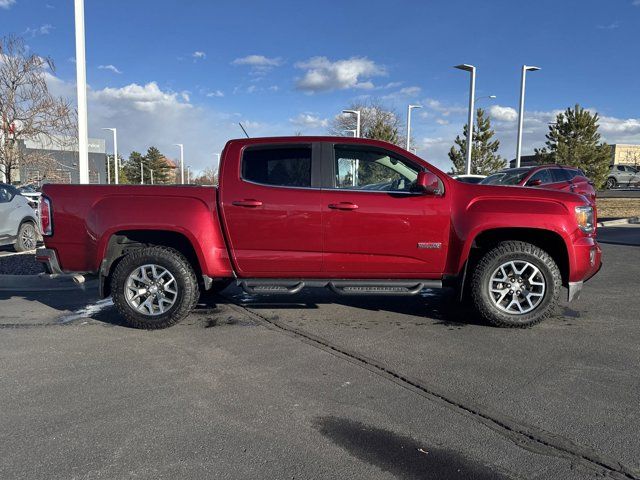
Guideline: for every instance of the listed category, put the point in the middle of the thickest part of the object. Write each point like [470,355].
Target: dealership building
[56,160]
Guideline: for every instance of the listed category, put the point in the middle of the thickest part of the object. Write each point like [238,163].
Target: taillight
[45,216]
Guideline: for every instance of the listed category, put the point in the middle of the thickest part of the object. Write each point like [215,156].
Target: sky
[166,72]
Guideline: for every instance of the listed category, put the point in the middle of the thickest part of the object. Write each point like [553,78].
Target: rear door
[6,222]
[374,226]
[271,207]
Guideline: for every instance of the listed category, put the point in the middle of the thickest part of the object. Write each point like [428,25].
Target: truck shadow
[435,307]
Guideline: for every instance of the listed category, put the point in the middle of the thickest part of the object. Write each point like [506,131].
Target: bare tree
[209,176]
[28,111]
[374,118]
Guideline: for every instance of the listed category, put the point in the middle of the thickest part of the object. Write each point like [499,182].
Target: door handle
[343,206]
[247,203]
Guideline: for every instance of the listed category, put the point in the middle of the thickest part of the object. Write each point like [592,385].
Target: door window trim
[316,163]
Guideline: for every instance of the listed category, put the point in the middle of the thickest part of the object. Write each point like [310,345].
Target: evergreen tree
[382,130]
[484,157]
[132,167]
[574,140]
[155,161]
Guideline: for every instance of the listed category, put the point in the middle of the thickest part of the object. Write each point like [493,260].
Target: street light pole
[188,175]
[141,173]
[472,96]
[217,166]
[357,114]
[151,176]
[181,161]
[81,81]
[409,108]
[523,80]
[116,163]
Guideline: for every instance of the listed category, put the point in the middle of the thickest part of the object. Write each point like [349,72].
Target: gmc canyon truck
[359,216]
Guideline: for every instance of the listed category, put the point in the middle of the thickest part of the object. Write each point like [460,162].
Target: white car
[469,178]
[18,223]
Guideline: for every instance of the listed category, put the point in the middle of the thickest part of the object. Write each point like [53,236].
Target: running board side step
[258,286]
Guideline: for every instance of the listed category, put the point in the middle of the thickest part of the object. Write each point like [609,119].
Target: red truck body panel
[252,230]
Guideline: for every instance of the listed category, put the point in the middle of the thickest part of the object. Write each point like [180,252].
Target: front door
[374,225]
[6,208]
[271,211]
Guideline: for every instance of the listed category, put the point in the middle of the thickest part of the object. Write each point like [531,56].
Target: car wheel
[27,237]
[611,183]
[154,287]
[515,284]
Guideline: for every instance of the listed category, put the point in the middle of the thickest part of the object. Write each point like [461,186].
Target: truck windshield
[506,177]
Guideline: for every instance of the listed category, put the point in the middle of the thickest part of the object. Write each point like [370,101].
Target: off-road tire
[20,245]
[508,251]
[611,183]
[177,265]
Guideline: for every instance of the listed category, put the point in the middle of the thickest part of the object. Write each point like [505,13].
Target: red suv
[553,177]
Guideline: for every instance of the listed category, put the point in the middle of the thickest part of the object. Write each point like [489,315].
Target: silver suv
[623,176]
[18,222]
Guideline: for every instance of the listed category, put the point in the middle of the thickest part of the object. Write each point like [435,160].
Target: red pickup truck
[359,216]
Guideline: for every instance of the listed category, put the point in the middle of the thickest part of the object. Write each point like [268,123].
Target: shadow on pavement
[627,235]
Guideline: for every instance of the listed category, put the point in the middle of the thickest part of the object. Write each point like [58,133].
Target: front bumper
[49,258]
[587,262]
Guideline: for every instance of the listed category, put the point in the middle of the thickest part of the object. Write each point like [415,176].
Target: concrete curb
[43,282]
[620,221]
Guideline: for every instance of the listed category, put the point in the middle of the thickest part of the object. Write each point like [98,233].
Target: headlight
[584,217]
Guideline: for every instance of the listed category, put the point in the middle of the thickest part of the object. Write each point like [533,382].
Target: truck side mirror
[427,183]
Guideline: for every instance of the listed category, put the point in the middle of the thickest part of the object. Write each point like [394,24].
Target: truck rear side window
[284,167]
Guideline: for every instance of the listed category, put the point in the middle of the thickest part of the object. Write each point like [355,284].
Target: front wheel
[515,284]
[154,287]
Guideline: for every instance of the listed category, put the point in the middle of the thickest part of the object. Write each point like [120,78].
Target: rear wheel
[154,287]
[611,183]
[516,284]
[27,237]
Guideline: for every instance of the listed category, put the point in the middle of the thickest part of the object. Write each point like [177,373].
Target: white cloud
[324,75]
[441,108]
[609,26]
[635,3]
[259,64]
[503,114]
[147,98]
[111,68]
[309,120]
[199,55]
[406,92]
[215,93]
[442,121]
[6,4]
[41,30]
[258,61]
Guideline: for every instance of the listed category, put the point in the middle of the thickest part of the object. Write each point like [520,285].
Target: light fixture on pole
[409,108]
[472,94]
[490,97]
[357,114]
[352,132]
[523,80]
[81,81]
[116,163]
[181,161]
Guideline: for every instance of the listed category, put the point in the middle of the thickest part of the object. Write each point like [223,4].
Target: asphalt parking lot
[319,386]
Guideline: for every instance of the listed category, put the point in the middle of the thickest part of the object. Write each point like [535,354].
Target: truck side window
[560,175]
[366,169]
[284,167]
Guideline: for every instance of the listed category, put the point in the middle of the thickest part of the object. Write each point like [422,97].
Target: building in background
[55,160]
[625,154]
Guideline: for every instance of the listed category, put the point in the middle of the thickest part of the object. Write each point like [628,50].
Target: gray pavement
[319,386]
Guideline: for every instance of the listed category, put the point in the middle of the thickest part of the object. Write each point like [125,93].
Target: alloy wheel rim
[517,287]
[151,290]
[28,237]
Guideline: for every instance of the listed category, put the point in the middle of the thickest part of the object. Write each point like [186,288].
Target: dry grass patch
[618,207]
